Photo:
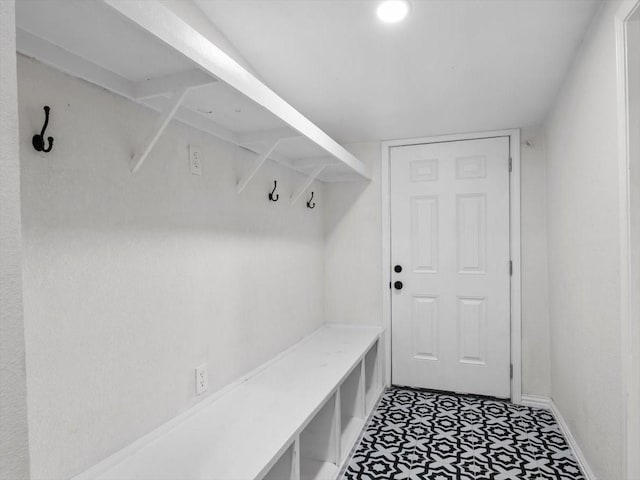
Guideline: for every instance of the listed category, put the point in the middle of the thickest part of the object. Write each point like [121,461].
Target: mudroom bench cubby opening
[295,418]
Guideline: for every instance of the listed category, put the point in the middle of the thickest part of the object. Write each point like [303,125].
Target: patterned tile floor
[422,435]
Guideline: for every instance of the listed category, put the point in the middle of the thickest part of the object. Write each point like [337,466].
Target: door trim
[514,226]
[630,341]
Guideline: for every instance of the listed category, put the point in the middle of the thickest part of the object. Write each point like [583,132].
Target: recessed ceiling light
[393,11]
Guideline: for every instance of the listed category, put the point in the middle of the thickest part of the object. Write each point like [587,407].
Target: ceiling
[451,66]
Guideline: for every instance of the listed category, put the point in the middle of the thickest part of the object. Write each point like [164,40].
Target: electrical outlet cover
[202,379]
[195,160]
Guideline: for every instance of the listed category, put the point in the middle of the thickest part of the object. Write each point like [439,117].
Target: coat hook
[38,140]
[309,204]
[273,196]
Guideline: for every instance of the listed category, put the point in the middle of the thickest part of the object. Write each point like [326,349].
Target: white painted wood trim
[630,421]
[161,22]
[257,164]
[547,403]
[516,277]
[363,389]
[385,195]
[573,444]
[306,184]
[516,313]
[143,151]
[536,401]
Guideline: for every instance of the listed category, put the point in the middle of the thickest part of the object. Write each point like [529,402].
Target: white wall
[583,247]
[14,447]
[353,254]
[353,248]
[131,281]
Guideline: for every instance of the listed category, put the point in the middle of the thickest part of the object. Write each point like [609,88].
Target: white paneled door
[450,270]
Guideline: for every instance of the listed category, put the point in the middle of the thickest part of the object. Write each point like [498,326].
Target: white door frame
[628,296]
[514,208]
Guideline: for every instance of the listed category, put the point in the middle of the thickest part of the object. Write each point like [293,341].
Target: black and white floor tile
[423,435]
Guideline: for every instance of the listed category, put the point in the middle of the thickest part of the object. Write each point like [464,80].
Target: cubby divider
[352,409]
[320,443]
[286,467]
[372,376]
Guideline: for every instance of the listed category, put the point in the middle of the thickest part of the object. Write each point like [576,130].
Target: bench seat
[298,417]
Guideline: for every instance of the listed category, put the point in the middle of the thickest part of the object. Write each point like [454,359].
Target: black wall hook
[273,196]
[38,140]
[309,204]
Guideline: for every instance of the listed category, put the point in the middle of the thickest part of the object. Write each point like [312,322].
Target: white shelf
[241,433]
[146,51]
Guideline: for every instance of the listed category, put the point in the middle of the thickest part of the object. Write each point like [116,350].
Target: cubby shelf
[294,418]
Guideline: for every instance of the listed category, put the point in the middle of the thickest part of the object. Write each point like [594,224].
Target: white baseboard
[536,401]
[575,448]
[547,403]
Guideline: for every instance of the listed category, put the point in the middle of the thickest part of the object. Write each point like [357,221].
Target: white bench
[297,418]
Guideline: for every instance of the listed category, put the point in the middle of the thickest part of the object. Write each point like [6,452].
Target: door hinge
[510,267]
[511,370]
[510,164]
[389,285]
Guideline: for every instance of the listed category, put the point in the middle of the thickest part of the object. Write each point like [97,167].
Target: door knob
[398,285]
[397,268]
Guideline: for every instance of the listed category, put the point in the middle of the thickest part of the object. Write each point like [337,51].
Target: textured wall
[131,281]
[583,245]
[353,254]
[353,248]
[14,446]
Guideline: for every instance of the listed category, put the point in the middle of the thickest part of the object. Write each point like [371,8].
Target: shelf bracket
[256,166]
[306,184]
[145,148]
